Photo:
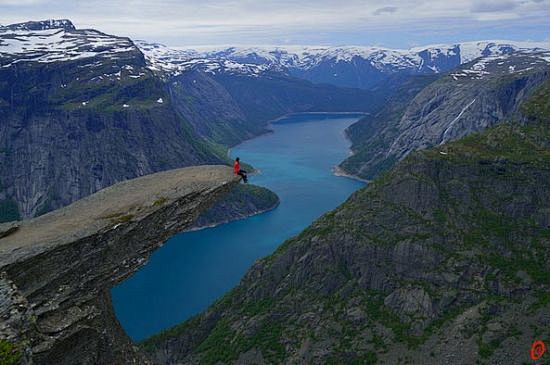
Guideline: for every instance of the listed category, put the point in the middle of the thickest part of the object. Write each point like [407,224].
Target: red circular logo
[537,350]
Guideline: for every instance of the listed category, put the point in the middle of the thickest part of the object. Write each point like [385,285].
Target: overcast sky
[390,23]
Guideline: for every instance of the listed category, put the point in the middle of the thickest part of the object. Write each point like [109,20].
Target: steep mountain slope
[228,101]
[349,66]
[471,98]
[229,108]
[80,110]
[442,260]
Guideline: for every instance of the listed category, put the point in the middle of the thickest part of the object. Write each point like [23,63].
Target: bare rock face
[473,97]
[56,270]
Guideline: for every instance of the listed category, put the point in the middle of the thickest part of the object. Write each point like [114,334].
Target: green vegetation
[160,201]
[118,217]
[487,349]
[506,142]
[538,105]
[217,346]
[123,218]
[224,345]
[108,94]
[440,216]
[9,211]
[256,307]
[10,354]
[152,342]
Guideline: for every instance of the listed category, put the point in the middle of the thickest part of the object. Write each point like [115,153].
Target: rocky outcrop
[443,260]
[242,201]
[56,270]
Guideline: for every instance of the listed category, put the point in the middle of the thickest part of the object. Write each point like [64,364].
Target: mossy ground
[9,353]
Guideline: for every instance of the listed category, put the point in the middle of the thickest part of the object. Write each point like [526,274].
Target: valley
[430,247]
[195,268]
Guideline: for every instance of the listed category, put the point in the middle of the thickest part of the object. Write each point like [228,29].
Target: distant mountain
[472,97]
[176,61]
[361,67]
[230,101]
[65,24]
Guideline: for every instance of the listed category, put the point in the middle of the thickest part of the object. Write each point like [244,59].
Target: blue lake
[193,269]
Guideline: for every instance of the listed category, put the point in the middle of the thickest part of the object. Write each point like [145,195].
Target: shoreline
[338,171]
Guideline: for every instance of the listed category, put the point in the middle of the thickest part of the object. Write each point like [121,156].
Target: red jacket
[236,167]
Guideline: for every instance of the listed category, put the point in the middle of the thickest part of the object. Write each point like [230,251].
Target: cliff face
[471,98]
[70,128]
[56,270]
[442,260]
[242,201]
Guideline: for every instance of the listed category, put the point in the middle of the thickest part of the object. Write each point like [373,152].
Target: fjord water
[193,269]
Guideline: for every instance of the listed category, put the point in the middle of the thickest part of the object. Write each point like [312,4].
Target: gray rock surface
[56,270]
[469,99]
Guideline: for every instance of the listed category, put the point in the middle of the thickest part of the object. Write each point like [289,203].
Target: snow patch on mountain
[251,59]
[57,40]
[520,61]
[175,61]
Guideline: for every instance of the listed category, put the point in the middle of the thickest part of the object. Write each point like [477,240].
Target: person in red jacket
[237,170]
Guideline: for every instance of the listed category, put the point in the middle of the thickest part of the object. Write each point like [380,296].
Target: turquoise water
[193,269]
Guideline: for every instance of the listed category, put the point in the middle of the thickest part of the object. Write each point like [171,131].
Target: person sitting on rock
[237,170]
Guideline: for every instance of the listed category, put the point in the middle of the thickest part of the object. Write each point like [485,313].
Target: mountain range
[83,109]
[442,258]
[360,67]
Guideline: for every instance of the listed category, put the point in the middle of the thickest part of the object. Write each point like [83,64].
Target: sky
[387,23]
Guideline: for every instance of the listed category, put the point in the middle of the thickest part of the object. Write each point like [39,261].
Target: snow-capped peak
[56,40]
[426,59]
[42,25]
[175,61]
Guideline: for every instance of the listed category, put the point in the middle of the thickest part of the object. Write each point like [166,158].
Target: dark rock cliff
[68,129]
[242,201]
[56,270]
[442,260]
[473,97]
